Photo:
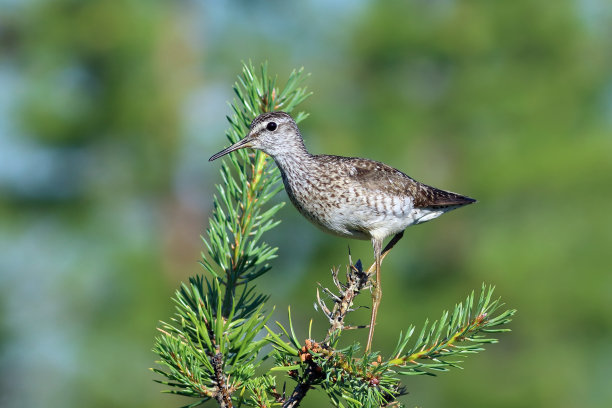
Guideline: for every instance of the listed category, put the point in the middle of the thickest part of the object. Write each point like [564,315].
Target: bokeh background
[110,109]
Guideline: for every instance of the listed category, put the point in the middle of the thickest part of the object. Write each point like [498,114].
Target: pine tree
[211,349]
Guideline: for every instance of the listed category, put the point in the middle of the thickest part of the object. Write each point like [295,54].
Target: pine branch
[224,392]
[356,281]
[355,381]
[462,333]
[209,350]
[250,180]
[264,393]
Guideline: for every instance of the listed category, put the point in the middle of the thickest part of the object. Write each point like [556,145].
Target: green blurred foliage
[110,110]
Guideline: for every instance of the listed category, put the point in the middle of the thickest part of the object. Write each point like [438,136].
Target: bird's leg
[391,244]
[388,248]
[377,294]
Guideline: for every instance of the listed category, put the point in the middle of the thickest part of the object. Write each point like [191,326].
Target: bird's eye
[271,126]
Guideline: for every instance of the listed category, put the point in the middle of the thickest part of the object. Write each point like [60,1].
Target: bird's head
[273,133]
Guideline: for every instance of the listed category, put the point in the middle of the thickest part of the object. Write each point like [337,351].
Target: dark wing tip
[469,200]
[432,197]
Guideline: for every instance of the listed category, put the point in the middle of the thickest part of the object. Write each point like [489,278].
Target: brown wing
[378,176]
[428,196]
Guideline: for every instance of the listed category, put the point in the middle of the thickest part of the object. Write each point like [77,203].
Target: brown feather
[378,176]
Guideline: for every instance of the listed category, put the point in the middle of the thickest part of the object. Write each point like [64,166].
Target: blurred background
[110,110]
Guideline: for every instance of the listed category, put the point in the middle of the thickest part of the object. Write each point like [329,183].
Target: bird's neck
[294,157]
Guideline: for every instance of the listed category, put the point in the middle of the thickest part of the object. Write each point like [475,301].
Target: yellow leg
[376,294]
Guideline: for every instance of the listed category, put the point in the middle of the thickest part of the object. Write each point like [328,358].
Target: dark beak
[238,145]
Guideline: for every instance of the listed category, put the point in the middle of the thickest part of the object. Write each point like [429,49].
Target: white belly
[357,213]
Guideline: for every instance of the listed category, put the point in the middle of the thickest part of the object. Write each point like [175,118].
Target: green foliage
[351,380]
[240,216]
[199,333]
[108,110]
[468,325]
[211,347]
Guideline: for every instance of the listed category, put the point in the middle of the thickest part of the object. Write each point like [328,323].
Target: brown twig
[223,394]
[300,390]
[356,280]
[311,374]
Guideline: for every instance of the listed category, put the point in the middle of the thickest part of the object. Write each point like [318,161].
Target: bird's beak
[246,142]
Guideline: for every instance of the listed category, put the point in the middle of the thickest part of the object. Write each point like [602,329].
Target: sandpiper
[347,196]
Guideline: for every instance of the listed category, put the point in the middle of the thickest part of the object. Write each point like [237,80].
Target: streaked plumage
[346,196]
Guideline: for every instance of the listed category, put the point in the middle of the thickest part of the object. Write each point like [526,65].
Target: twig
[356,280]
[223,394]
[312,373]
[300,390]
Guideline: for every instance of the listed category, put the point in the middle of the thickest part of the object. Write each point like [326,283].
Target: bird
[349,197]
